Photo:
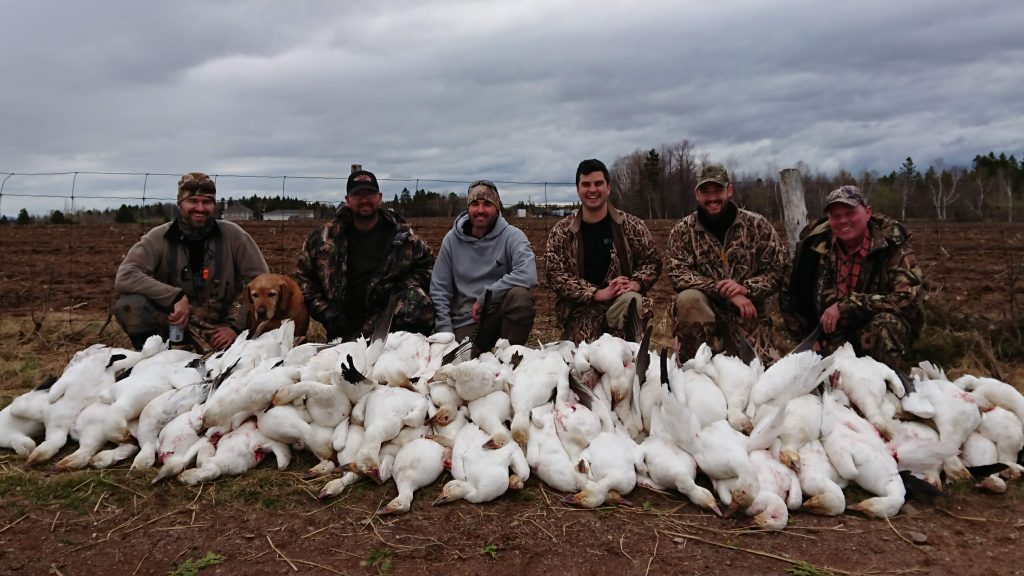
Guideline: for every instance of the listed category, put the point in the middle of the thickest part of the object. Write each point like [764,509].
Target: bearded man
[188,273]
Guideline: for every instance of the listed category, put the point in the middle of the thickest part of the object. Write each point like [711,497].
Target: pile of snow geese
[593,421]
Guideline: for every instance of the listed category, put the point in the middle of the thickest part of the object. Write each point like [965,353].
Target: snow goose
[481,474]
[858,453]
[87,374]
[820,481]
[22,421]
[418,463]
[159,412]
[446,401]
[383,413]
[181,443]
[981,451]
[802,424]
[404,355]
[956,416]
[491,413]
[90,431]
[610,463]
[864,380]
[537,378]
[327,404]
[547,456]
[735,378]
[1006,432]
[347,454]
[610,361]
[989,392]
[238,399]
[238,452]
[475,378]
[149,379]
[779,492]
[702,396]
[670,467]
[576,425]
[107,458]
[291,425]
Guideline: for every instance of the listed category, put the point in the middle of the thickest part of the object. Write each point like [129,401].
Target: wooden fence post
[794,209]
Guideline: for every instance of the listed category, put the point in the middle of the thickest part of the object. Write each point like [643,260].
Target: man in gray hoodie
[483,252]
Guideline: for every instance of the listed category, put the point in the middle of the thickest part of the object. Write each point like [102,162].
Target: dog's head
[267,294]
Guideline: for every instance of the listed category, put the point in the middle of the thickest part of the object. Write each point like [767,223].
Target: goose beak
[616,498]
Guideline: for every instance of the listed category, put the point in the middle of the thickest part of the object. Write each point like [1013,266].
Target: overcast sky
[511,91]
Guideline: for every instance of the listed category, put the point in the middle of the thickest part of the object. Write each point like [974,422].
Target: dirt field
[112,522]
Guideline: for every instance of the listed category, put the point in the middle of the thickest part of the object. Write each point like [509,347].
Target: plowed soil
[269,522]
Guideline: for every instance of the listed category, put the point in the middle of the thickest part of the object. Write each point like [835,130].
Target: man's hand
[747,309]
[616,287]
[730,288]
[179,315]
[475,312]
[830,318]
[222,337]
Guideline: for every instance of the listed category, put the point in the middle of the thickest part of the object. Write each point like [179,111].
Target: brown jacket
[154,268]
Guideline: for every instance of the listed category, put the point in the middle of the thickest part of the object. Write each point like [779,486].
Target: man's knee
[137,314]
[886,338]
[693,306]
[517,305]
[616,315]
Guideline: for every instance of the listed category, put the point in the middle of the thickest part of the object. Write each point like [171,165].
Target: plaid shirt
[848,265]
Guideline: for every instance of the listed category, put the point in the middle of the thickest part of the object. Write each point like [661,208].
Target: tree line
[658,183]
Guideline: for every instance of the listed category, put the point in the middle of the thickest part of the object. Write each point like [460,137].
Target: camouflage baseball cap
[483,190]
[712,173]
[196,184]
[848,194]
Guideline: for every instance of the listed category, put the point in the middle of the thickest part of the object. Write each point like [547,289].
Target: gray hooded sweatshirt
[467,267]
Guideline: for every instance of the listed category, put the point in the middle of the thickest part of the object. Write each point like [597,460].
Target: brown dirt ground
[94,522]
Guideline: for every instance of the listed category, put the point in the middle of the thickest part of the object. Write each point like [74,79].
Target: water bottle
[175,333]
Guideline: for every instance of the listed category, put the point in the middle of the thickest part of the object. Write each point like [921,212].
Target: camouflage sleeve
[903,291]
[771,255]
[420,264]
[646,259]
[307,275]
[682,265]
[560,266]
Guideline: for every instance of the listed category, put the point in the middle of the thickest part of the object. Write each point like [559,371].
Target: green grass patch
[192,566]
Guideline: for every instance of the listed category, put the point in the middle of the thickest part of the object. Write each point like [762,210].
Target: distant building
[237,211]
[288,215]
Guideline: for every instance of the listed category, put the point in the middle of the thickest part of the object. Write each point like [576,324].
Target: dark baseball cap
[361,180]
[713,173]
[848,194]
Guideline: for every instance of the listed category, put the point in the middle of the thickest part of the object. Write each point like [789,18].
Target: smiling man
[483,252]
[725,263]
[855,274]
[188,273]
[598,260]
[350,267]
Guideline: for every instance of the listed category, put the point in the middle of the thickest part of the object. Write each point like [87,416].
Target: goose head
[454,490]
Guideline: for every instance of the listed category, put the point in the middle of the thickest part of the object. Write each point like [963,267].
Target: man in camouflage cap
[855,274]
[350,268]
[484,253]
[189,273]
[725,263]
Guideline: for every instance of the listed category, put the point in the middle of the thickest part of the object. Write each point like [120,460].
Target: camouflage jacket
[890,279]
[752,255]
[634,255]
[404,270]
[157,268]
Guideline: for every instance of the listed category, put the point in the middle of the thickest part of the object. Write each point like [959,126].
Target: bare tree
[942,184]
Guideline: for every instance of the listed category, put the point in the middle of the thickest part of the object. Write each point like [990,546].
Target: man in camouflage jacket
[725,263]
[350,267]
[855,274]
[586,308]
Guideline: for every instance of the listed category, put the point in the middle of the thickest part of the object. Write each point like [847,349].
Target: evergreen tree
[23,218]
[124,214]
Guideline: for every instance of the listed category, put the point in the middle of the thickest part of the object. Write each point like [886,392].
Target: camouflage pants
[885,337]
[414,312]
[698,321]
[510,317]
[587,323]
[141,318]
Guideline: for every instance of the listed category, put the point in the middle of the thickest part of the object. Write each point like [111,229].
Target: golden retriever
[273,298]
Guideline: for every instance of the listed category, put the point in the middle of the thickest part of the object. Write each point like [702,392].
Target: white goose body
[405,354]
[21,422]
[703,397]
[779,492]
[547,456]
[534,381]
[291,425]
[490,413]
[418,463]
[610,462]
[864,380]
[475,378]
[158,413]
[354,439]
[383,413]
[860,455]
[802,424]
[481,474]
[820,481]
[228,407]
[735,378]
[90,431]
[327,404]
[237,452]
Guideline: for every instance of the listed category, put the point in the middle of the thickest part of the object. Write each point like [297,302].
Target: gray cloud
[514,91]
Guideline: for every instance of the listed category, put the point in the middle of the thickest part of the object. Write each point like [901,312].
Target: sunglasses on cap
[487,183]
